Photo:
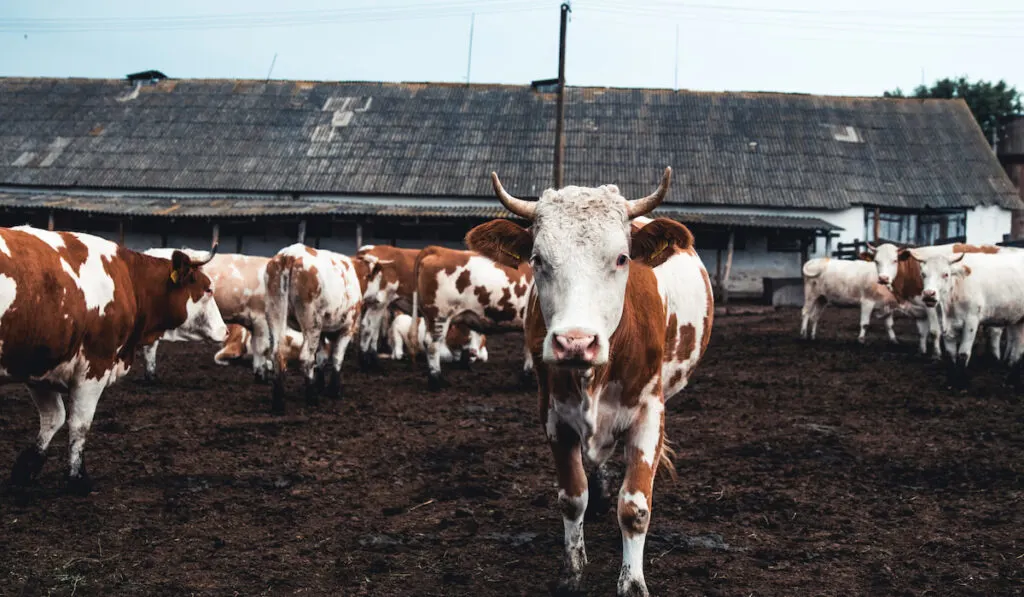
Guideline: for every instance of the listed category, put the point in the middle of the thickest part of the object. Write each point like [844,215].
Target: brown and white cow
[240,292]
[321,292]
[389,280]
[101,303]
[452,283]
[844,283]
[461,342]
[612,334]
[902,275]
[237,348]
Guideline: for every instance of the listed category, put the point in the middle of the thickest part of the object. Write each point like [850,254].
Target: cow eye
[622,260]
[536,262]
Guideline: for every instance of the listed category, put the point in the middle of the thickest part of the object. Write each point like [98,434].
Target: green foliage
[992,104]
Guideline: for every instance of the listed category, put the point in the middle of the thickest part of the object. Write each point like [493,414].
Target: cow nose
[575,345]
[928,293]
[884,280]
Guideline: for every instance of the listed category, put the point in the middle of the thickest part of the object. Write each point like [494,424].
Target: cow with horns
[612,334]
[102,302]
[389,281]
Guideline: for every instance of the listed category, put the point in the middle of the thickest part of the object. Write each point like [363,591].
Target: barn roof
[422,140]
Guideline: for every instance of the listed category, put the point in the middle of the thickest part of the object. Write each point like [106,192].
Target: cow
[902,275]
[74,308]
[452,283]
[845,283]
[389,281]
[240,293]
[237,348]
[618,318]
[973,290]
[461,342]
[321,291]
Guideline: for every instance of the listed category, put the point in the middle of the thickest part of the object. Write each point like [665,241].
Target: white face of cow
[203,322]
[579,247]
[886,260]
[580,263]
[937,274]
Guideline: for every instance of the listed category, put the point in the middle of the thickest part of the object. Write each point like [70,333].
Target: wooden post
[718,272]
[302,231]
[359,235]
[120,231]
[728,267]
[49,222]
[238,243]
[216,235]
[163,239]
[560,107]
[805,246]
[878,223]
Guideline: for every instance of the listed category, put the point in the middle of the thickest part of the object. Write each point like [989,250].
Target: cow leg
[935,331]
[1014,352]
[149,356]
[889,331]
[397,344]
[84,397]
[262,363]
[962,354]
[923,332]
[599,503]
[572,500]
[369,337]
[338,348]
[867,307]
[437,337]
[308,364]
[527,378]
[51,418]
[995,343]
[644,445]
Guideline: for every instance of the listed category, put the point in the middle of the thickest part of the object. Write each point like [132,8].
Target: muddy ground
[803,470]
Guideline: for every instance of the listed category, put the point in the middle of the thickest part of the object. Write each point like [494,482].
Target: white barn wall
[752,264]
[988,224]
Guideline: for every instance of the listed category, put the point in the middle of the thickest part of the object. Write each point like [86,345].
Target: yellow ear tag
[661,247]
[510,253]
[174,276]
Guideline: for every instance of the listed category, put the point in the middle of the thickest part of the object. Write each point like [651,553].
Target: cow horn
[962,255]
[523,209]
[914,256]
[871,248]
[639,207]
[209,257]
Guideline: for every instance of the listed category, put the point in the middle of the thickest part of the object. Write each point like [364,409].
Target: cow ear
[866,256]
[658,240]
[960,269]
[181,267]
[904,255]
[501,241]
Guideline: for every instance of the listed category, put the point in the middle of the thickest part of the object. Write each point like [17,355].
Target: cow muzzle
[575,348]
[884,281]
[929,299]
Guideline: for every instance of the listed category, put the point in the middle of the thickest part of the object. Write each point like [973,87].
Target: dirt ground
[824,469]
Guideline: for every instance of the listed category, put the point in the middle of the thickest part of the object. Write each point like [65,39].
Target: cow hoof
[321,381]
[527,378]
[436,383]
[369,361]
[632,588]
[27,467]
[334,389]
[277,398]
[277,407]
[567,587]
[80,485]
[149,380]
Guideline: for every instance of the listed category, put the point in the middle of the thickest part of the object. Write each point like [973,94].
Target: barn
[765,180]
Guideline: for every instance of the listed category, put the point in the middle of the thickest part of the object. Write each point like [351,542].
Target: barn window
[915,228]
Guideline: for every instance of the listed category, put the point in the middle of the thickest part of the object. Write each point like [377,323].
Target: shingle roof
[735,149]
[484,209]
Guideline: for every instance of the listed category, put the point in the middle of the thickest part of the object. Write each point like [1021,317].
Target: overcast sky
[840,47]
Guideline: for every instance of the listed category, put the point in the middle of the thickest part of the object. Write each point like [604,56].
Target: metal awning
[214,207]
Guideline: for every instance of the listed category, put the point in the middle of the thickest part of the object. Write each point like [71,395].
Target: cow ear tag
[174,276]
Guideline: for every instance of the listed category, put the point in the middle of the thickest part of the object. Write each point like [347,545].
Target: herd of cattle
[616,310]
[951,291]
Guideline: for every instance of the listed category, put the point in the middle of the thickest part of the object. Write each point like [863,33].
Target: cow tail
[279,274]
[412,339]
[814,268]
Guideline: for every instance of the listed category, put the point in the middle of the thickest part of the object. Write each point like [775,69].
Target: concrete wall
[987,225]
[752,264]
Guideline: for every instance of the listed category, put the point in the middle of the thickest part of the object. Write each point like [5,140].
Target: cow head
[886,258]
[381,282]
[580,246]
[938,273]
[193,312]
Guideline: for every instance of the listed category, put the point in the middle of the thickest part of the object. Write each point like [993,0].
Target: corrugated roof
[735,149]
[227,207]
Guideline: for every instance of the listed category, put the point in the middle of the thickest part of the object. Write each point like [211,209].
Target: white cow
[844,283]
[975,289]
[459,338]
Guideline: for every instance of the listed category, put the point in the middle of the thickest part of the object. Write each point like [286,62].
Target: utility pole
[469,61]
[560,113]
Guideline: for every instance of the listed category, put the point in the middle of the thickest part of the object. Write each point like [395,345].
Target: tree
[992,104]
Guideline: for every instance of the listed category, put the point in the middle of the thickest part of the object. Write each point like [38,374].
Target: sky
[836,47]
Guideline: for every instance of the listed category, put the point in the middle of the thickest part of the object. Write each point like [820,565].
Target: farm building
[763,179]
